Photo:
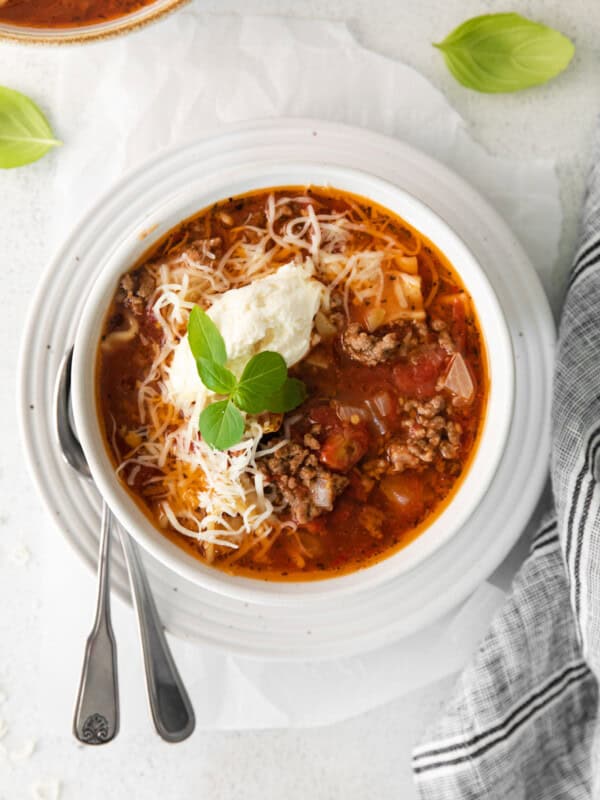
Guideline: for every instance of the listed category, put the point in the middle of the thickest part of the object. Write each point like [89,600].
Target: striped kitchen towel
[522,721]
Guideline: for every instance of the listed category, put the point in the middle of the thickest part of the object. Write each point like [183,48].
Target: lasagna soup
[366,312]
[65,13]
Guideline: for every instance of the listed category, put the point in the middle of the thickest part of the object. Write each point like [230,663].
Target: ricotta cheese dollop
[273,313]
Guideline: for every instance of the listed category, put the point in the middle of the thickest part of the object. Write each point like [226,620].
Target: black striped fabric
[521,723]
[501,733]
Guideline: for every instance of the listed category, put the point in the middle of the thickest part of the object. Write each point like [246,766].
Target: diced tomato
[325,415]
[405,493]
[344,447]
[418,377]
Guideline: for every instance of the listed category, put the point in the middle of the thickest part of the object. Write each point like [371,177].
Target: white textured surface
[364,757]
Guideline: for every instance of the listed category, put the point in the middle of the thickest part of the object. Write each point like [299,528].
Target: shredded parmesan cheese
[45,790]
[20,555]
[23,752]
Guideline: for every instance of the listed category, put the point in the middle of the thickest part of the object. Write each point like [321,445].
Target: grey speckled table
[363,757]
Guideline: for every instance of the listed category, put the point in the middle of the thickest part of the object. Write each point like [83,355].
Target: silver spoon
[96,718]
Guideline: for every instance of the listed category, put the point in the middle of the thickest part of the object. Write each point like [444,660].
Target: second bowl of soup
[64,21]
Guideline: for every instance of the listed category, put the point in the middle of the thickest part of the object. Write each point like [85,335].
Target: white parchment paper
[123,100]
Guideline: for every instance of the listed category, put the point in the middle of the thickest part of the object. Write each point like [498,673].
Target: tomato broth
[396,379]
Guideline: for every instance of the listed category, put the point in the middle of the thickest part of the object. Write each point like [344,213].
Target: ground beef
[375,468]
[311,442]
[383,345]
[427,432]
[336,314]
[401,457]
[270,421]
[200,251]
[136,288]
[225,219]
[369,348]
[444,339]
[303,483]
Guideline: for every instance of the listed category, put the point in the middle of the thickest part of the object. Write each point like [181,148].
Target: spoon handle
[170,705]
[96,718]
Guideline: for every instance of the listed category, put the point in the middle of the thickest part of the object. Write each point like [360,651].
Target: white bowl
[181,200]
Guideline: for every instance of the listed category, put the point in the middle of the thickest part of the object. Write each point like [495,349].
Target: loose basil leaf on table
[221,424]
[205,340]
[25,134]
[505,53]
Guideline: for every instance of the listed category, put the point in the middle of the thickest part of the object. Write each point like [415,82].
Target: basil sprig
[505,53]
[263,386]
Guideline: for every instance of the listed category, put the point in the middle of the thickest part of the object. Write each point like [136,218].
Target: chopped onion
[374,318]
[406,314]
[458,379]
[412,290]
[288,422]
[381,407]
[346,413]
[383,403]
[450,299]
[318,359]
[324,326]
[408,264]
[407,289]
[399,292]
[122,336]
[322,493]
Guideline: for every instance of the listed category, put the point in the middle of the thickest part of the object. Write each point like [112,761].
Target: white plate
[413,600]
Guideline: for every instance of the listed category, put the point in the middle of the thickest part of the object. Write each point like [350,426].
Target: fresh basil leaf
[25,134]
[204,338]
[251,404]
[505,53]
[215,377]
[289,396]
[221,425]
[263,375]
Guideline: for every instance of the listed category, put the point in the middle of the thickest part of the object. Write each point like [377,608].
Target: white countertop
[363,757]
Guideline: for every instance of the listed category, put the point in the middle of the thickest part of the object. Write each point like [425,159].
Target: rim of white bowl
[491,440]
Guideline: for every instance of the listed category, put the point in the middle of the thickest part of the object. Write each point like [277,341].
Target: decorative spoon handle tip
[96,719]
